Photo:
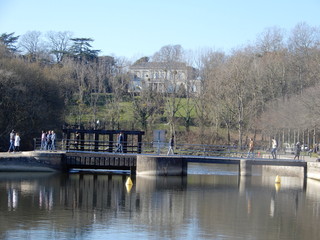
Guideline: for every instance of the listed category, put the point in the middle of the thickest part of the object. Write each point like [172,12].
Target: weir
[140,164]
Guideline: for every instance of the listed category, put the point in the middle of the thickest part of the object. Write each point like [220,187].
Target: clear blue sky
[136,28]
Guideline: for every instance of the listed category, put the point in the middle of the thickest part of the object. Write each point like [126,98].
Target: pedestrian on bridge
[53,141]
[43,140]
[251,148]
[297,151]
[120,141]
[17,140]
[12,137]
[77,140]
[274,148]
[171,146]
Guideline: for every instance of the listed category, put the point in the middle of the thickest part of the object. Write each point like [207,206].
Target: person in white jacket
[274,148]
[17,142]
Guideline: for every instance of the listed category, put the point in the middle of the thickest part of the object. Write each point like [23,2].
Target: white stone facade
[163,77]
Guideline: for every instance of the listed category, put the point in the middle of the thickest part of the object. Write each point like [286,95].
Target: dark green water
[212,202]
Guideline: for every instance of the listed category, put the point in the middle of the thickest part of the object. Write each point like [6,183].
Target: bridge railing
[190,149]
[148,148]
[85,145]
[129,147]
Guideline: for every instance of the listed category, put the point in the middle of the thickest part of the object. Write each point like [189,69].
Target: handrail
[146,148]
[136,147]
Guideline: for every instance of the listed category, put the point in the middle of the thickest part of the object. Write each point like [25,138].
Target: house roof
[159,65]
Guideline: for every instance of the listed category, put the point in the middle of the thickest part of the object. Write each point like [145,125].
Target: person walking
[171,146]
[17,142]
[77,140]
[251,148]
[297,151]
[53,141]
[120,141]
[43,140]
[49,141]
[274,148]
[12,137]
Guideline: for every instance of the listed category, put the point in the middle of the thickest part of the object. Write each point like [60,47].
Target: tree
[118,82]
[81,49]
[98,83]
[170,57]
[33,47]
[271,40]
[59,44]
[9,41]
[30,101]
[213,76]
[145,106]
[302,43]
[239,89]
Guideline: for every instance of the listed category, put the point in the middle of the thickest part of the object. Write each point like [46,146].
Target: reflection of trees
[164,206]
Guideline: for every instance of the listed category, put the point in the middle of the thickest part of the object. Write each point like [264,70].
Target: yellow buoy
[129,182]
[277,186]
[128,187]
[278,179]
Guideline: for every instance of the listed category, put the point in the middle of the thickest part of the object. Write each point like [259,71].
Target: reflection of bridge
[142,164]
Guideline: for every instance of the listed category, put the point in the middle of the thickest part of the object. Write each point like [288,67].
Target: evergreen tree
[9,41]
[81,49]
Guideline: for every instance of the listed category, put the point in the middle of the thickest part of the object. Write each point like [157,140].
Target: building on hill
[164,77]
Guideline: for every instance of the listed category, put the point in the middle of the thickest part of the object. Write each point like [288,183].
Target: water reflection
[96,206]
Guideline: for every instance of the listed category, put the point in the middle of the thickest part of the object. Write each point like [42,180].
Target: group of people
[274,147]
[48,141]
[14,142]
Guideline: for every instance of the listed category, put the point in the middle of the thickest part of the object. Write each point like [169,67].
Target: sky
[137,28]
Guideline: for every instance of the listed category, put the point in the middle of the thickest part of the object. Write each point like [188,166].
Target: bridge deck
[93,160]
[116,161]
[253,161]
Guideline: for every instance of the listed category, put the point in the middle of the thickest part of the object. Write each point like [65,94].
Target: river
[212,202]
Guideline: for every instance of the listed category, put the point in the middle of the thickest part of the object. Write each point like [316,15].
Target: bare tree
[302,42]
[145,106]
[239,89]
[271,40]
[33,46]
[170,57]
[119,81]
[59,43]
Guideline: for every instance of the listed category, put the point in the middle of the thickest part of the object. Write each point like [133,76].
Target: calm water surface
[212,202]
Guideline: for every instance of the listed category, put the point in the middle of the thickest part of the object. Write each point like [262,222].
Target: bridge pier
[161,165]
[245,167]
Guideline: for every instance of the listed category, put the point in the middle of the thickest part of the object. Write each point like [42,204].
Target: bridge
[141,164]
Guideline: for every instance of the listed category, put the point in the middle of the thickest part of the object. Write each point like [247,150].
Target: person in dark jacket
[297,151]
[12,137]
[171,146]
[120,141]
